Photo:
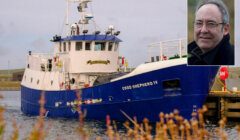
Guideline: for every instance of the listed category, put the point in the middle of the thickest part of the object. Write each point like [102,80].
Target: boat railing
[166,50]
[39,61]
[48,62]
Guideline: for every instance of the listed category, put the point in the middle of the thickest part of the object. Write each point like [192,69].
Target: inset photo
[210,32]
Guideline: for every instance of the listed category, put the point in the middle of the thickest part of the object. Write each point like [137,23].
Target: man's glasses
[209,25]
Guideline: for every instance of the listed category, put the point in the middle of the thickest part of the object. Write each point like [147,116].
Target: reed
[38,132]
[81,131]
[170,126]
[15,133]
[2,120]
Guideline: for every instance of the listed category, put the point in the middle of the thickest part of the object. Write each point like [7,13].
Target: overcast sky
[30,24]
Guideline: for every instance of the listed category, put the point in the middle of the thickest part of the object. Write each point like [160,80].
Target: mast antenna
[85,17]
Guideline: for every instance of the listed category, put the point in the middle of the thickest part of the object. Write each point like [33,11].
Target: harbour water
[63,129]
[60,129]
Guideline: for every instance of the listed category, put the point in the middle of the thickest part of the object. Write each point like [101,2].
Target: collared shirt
[222,54]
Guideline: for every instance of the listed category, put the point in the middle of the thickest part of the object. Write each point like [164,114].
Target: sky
[28,25]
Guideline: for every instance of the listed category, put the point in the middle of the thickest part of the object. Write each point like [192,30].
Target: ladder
[67,81]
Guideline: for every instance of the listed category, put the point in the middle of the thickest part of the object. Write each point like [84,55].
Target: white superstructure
[77,60]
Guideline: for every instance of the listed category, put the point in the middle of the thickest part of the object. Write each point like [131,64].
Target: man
[211,35]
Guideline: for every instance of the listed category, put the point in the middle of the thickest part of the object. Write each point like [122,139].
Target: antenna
[111,29]
[84,17]
[67,20]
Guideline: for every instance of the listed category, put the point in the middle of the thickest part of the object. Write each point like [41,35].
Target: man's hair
[221,6]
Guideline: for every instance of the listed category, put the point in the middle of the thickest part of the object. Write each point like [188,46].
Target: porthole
[72,81]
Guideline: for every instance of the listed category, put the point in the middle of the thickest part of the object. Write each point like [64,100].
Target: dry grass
[2,121]
[15,133]
[4,76]
[171,126]
[11,84]
[39,132]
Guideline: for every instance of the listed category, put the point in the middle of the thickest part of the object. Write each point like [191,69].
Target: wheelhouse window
[88,46]
[116,47]
[60,46]
[100,46]
[69,46]
[152,59]
[110,46]
[78,46]
[64,46]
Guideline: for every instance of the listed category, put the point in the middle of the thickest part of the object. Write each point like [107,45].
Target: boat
[85,70]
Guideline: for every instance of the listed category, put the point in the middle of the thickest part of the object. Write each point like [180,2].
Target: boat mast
[84,17]
[67,20]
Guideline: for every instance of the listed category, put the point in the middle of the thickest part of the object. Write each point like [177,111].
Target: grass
[10,85]
[4,72]
[6,79]
[4,76]
[2,120]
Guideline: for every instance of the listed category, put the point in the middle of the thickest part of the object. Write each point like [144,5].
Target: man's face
[208,27]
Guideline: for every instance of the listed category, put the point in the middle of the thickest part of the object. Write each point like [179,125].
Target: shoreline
[10,85]
[10,88]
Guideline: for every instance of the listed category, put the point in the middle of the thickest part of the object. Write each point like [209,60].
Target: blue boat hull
[144,95]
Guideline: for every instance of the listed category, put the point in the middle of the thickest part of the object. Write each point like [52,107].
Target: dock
[223,104]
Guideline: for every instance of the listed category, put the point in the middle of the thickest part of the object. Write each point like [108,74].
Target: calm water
[60,129]
[63,129]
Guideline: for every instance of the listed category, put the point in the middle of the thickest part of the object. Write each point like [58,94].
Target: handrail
[169,49]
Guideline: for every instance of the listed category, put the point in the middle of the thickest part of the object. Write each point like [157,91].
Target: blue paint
[142,95]
[89,37]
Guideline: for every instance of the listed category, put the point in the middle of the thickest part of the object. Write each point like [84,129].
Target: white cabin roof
[143,68]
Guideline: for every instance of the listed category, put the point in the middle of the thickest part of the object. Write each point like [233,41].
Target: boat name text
[140,85]
[98,62]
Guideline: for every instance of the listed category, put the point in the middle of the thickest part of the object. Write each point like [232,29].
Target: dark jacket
[222,54]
